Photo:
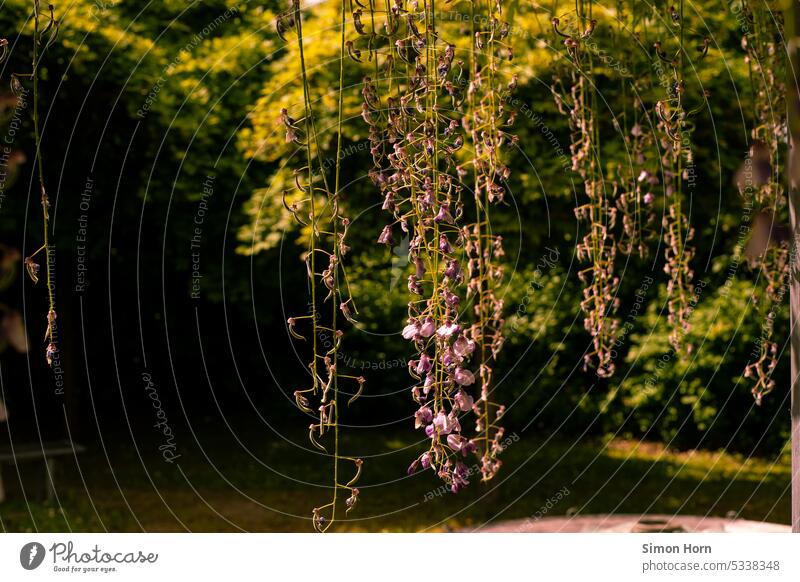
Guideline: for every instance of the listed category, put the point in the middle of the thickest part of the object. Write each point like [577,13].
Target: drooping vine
[597,248]
[44,35]
[633,191]
[491,114]
[439,130]
[637,176]
[761,183]
[677,161]
[421,106]
[327,230]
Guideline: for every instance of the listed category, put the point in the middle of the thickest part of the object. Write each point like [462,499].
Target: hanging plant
[490,115]
[597,248]
[761,184]
[319,211]
[677,161]
[636,178]
[413,105]
[637,175]
[45,32]
[439,136]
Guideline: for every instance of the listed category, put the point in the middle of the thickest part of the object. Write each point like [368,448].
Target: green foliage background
[215,85]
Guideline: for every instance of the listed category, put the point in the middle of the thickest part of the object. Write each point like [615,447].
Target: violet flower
[423,416]
[464,377]
[425,460]
[411,331]
[442,423]
[455,441]
[463,401]
[428,327]
[453,269]
[448,329]
[414,286]
[388,202]
[420,266]
[386,237]
[469,447]
[453,423]
[444,214]
[460,474]
[451,299]
[424,365]
[463,347]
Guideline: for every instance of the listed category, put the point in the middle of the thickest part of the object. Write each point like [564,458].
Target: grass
[261,482]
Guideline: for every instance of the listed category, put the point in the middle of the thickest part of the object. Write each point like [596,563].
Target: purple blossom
[386,237]
[463,401]
[388,202]
[448,329]
[351,501]
[453,269]
[414,286]
[425,460]
[427,200]
[459,480]
[648,198]
[424,365]
[464,377]
[411,331]
[452,419]
[456,441]
[444,244]
[50,353]
[469,447]
[463,347]
[444,214]
[451,299]
[427,328]
[423,416]
[420,266]
[442,423]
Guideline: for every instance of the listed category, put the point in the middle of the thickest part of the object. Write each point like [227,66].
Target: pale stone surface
[634,524]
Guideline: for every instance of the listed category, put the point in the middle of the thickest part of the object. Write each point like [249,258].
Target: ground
[254,484]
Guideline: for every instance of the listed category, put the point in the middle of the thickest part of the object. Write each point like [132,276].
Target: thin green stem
[51,314]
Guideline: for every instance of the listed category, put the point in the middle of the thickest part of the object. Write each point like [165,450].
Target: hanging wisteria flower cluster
[320,211]
[633,189]
[418,126]
[598,247]
[490,116]
[44,35]
[761,183]
[677,162]
[440,119]
[637,177]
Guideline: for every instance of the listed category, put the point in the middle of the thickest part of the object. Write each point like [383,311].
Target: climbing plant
[440,112]
[437,91]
